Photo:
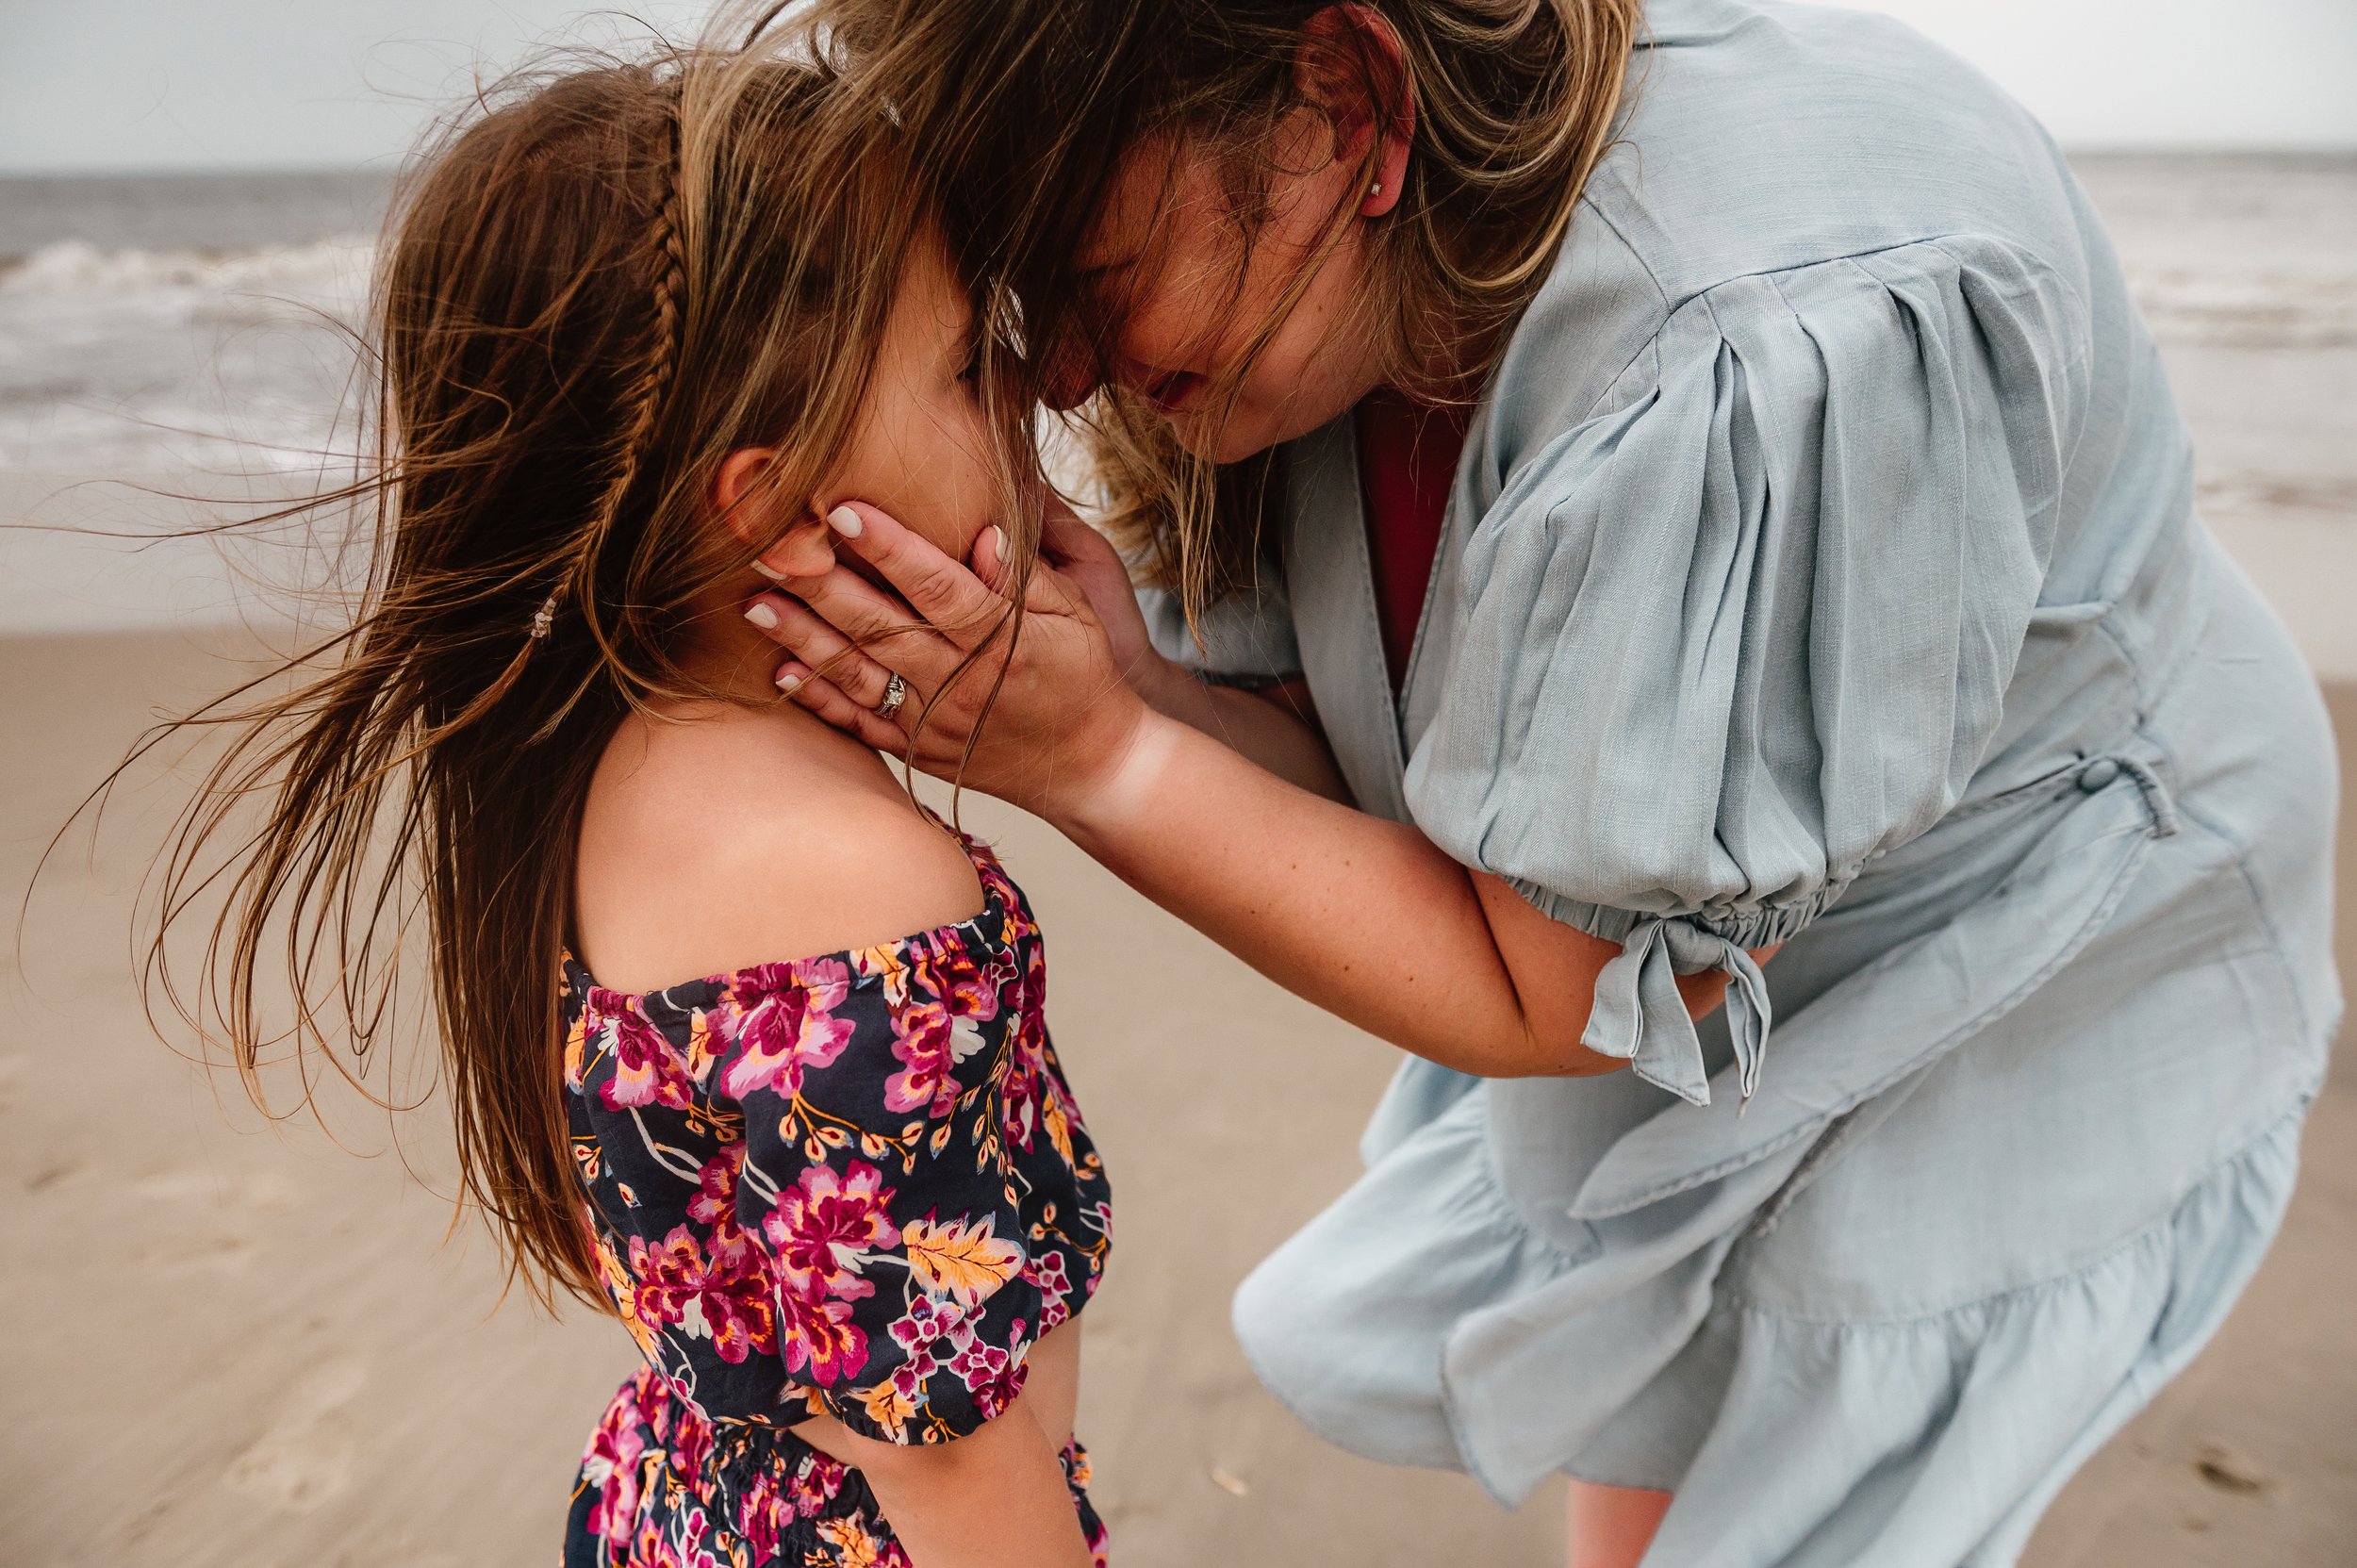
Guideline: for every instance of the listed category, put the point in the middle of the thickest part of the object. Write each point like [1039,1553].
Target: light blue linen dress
[1822,570]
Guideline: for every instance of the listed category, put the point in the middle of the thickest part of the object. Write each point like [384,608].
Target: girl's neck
[737,666]
[730,656]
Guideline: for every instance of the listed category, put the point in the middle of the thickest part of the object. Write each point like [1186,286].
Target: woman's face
[1190,287]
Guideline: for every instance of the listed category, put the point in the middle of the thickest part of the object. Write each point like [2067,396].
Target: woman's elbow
[1544,1055]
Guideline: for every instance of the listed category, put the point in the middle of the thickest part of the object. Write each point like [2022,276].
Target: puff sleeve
[877,1188]
[1754,623]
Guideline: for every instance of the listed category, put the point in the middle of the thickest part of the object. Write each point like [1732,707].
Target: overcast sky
[232,84]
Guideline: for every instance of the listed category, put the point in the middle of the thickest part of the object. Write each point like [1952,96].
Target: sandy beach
[248,1345]
[264,1345]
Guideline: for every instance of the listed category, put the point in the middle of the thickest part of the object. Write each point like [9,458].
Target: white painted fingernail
[762,616]
[768,571]
[789,684]
[845,522]
[999,543]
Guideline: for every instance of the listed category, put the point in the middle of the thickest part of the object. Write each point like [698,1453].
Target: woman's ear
[803,547]
[1352,65]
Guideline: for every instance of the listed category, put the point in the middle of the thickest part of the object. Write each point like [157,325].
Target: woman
[1817,577]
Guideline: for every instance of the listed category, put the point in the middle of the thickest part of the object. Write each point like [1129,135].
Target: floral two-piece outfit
[854,1185]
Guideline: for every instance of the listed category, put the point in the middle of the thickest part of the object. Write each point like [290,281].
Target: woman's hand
[1088,558]
[1057,692]
[1362,917]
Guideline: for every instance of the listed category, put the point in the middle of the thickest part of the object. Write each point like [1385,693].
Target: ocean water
[180,323]
[194,332]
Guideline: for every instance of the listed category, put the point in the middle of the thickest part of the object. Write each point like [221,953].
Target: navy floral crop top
[854,1184]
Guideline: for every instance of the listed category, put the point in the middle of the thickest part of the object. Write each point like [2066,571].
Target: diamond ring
[896,693]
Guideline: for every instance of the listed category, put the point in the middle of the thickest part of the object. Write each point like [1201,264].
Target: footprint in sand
[306,1458]
[181,1252]
[211,1188]
[214,1241]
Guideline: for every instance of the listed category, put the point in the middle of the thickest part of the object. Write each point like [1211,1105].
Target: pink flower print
[931,1041]
[691,1446]
[1046,1273]
[653,1269]
[715,1185]
[738,1327]
[1002,890]
[993,1376]
[714,1205]
[732,1253]
[611,1466]
[1019,1101]
[909,1378]
[826,1228]
[968,988]
[761,1514]
[819,1334]
[647,1070]
[730,1305]
[1032,1013]
[792,1029]
[931,1328]
[694,1524]
[661,1396]
[815,1483]
[979,1362]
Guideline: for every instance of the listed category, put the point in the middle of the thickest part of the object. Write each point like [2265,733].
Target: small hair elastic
[543,618]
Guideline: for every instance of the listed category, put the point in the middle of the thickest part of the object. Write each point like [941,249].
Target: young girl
[638,326]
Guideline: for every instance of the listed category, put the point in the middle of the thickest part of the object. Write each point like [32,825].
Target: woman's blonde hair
[594,285]
[1022,111]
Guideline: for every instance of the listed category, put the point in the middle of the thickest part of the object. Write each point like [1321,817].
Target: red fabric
[1407,461]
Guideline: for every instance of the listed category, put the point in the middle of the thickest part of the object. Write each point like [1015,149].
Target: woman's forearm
[1365,917]
[1269,728]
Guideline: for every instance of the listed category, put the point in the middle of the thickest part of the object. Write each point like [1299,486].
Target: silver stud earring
[1376,190]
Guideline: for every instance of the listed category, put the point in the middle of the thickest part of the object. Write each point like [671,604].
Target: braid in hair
[644,402]
[645,399]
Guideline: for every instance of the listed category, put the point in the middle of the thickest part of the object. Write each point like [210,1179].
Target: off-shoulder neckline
[769,974]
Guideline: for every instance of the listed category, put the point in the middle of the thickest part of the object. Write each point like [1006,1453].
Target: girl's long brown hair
[596,284]
[1022,111]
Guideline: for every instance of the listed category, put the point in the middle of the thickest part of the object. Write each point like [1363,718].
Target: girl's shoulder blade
[718,844]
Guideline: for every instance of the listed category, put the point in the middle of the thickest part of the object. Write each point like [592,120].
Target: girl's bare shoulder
[739,837]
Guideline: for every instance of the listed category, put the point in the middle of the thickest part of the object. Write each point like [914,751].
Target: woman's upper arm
[1554,968]
[1726,641]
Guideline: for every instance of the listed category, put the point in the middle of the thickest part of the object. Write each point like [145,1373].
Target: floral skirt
[661,1486]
